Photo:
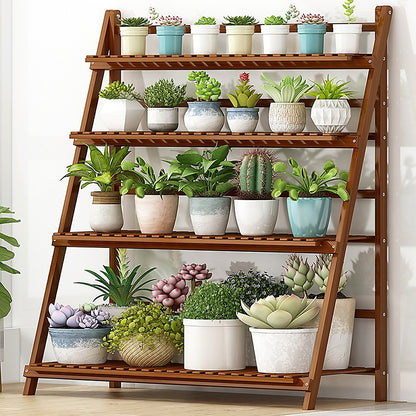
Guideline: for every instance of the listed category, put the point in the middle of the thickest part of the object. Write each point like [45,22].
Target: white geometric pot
[133,40]
[204,39]
[105,212]
[330,116]
[347,37]
[287,117]
[274,38]
[121,115]
[239,39]
[162,118]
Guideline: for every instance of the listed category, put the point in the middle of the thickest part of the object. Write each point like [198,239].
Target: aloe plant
[134,22]
[289,90]
[329,89]
[240,20]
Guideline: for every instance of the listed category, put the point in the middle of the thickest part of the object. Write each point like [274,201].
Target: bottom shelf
[176,374]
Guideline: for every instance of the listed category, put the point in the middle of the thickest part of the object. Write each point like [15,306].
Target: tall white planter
[287,117]
[214,344]
[204,39]
[120,115]
[330,116]
[347,37]
[274,38]
[105,214]
[133,40]
[162,118]
[239,39]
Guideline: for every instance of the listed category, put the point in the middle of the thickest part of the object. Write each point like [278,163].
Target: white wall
[49,85]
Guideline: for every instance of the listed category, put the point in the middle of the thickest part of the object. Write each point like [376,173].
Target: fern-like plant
[240,20]
[164,93]
[329,89]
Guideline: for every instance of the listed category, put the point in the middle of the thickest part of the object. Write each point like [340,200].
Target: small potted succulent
[162,100]
[287,114]
[205,36]
[157,198]
[244,115]
[311,30]
[240,31]
[170,31]
[308,205]
[120,108]
[214,337]
[145,335]
[331,111]
[347,35]
[255,209]
[103,170]
[76,335]
[133,32]
[205,113]
[205,179]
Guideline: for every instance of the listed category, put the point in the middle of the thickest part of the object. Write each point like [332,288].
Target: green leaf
[343,194]
[190,157]
[5,301]
[220,153]
[98,160]
[127,165]
[104,178]
[5,210]
[233,100]
[206,164]
[118,158]
[11,240]
[279,167]
[5,254]
[294,194]
[343,176]
[8,220]
[328,165]
[223,188]
[8,269]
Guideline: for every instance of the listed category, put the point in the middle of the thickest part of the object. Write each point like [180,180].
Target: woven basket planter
[138,354]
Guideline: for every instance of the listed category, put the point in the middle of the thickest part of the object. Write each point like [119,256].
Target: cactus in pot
[298,274]
[321,272]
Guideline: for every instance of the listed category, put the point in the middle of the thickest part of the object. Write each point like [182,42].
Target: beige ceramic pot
[105,213]
[287,117]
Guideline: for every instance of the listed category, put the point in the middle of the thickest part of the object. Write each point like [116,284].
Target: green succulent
[349,7]
[240,20]
[87,307]
[330,89]
[207,88]
[321,270]
[244,93]
[206,21]
[164,93]
[118,90]
[289,90]
[274,20]
[298,274]
[134,22]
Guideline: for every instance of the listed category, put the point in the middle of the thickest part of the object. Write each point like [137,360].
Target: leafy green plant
[240,20]
[310,186]
[289,90]
[164,93]
[206,21]
[134,22]
[147,323]
[329,89]
[292,13]
[122,288]
[274,20]
[208,174]
[349,7]
[104,168]
[244,93]
[207,88]
[141,177]
[118,90]
[6,255]
[212,301]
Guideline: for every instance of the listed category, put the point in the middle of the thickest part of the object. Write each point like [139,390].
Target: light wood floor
[68,400]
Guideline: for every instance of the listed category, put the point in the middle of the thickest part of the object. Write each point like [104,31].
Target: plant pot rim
[210,197]
[242,109]
[134,30]
[212,322]
[256,200]
[310,197]
[282,330]
[162,108]
[205,103]
[67,331]
[298,103]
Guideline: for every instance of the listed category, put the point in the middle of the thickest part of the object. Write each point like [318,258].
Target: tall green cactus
[255,175]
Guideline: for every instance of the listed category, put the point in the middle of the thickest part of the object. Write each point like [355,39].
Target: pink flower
[244,77]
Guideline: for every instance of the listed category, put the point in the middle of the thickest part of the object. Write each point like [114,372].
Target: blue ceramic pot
[170,39]
[242,119]
[204,116]
[311,38]
[309,217]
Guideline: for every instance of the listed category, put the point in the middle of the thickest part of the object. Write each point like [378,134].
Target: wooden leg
[114,384]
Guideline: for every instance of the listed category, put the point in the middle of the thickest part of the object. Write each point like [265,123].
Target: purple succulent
[59,315]
[72,321]
[87,322]
[101,316]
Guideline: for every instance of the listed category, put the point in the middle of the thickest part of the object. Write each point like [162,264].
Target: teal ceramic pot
[170,39]
[242,119]
[309,217]
[311,38]
[204,116]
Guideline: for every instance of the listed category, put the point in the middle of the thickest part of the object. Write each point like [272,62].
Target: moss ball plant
[145,321]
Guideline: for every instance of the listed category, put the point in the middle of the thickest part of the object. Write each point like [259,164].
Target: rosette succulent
[196,273]
[207,88]
[134,22]
[244,93]
[298,274]
[240,20]
[312,19]
[321,271]
[206,21]
[288,90]
[170,292]
[118,90]
[274,20]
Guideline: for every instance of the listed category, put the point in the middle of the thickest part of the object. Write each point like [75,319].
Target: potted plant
[274,33]
[146,335]
[162,100]
[331,111]
[103,170]
[169,30]
[77,335]
[133,32]
[205,113]
[157,200]
[205,179]
[286,113]
[255,209]
[240,31]
[205,36]
[244,115]
[281,345]
[120,108]
[347,35]
[214,338]
[308,206]
[311,30]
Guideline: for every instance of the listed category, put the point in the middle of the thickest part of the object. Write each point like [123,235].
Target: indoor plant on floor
[205,36]
[133,32]
[311,30]
[240,31]
[347,35]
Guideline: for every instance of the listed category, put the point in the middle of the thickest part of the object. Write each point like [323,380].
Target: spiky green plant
[164,93]
[207,88]
[289,90]
[274,20]
[298,274]
[329,89]
[118,90]
[244,93]
[321,270]
[134,22]
[206,21]
[349,7]
[240,20]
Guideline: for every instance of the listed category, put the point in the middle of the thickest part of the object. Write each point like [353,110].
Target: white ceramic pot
[274,38]
[283,350]
[347,37]
[120,115]
[133,40]
[214,345]
[239,39]
[162,118]
[242,119]
[204,39]
[156,215]
[204,116]
[330,116]
[105,214]
[287,117]
[256,217]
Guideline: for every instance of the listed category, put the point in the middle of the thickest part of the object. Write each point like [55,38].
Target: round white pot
[213,345]
[287,117]
[120,115]
[133,40]
[204,39]
[347,37]
[239,39]
[156,215]
[105,214]
[204,116]
[274,38]
[256,217]
[330,116]
[162,118]
[283,350]
[242,119]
